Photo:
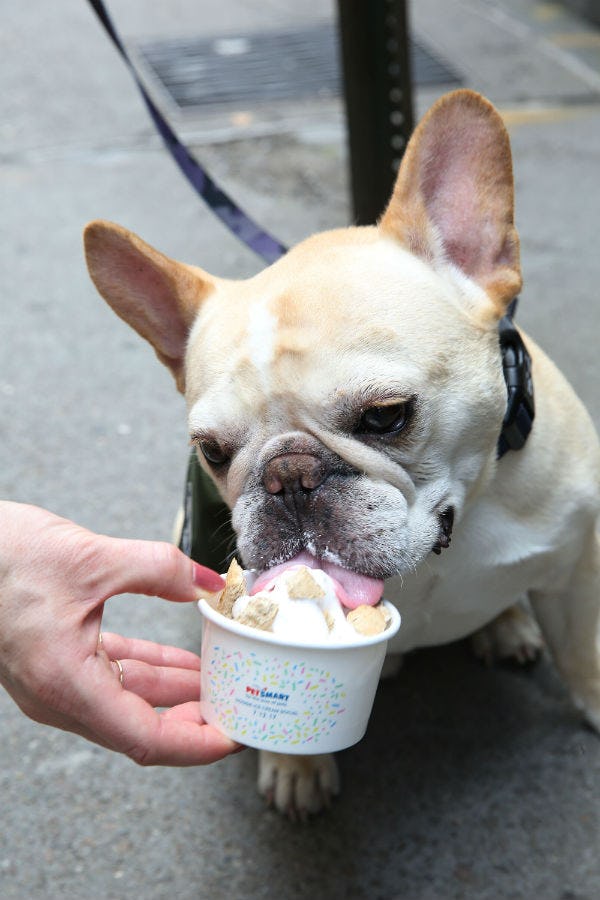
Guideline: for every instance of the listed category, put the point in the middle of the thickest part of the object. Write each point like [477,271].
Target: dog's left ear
[156,295]
[454,195]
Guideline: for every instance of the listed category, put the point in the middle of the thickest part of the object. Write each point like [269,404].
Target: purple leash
[234,218]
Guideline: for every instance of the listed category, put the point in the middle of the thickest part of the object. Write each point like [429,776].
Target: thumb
[155,568]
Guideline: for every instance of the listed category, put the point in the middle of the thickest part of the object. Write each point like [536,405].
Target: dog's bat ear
[454,195]
[157,296]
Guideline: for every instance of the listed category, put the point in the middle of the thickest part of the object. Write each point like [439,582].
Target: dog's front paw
[513,635]
[298,785]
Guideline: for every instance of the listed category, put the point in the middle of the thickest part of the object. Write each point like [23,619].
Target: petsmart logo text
[267,695]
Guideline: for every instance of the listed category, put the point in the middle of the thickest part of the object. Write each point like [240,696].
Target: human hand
[54,580]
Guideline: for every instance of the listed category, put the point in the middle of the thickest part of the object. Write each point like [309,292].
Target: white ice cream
[306,619]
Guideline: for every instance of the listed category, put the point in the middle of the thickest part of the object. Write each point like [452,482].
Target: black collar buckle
[516,364]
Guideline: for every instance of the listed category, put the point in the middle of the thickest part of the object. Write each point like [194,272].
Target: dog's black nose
[293,473]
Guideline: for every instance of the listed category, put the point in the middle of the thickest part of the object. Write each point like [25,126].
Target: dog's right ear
[157,296]
[454,196]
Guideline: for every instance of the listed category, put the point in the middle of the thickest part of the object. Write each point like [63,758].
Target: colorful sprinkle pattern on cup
[273,699]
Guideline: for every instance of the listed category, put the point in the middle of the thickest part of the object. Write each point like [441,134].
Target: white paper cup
[288,697]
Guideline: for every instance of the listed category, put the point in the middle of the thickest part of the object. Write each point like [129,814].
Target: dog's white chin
[351,588]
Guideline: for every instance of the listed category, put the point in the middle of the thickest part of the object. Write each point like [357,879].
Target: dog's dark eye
[388,419]
[213,453]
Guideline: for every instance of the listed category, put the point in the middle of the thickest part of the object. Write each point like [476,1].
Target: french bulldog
[348,400]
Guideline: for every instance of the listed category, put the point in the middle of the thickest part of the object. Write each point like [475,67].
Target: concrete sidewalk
[470,783]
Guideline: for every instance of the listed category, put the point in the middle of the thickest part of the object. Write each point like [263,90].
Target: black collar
[516,364]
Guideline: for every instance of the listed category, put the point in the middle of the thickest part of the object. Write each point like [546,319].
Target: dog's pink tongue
[351,588]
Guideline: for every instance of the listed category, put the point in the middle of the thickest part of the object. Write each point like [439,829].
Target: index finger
[154,568]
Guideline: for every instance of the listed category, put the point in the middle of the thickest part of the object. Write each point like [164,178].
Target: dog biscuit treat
[235,586]
[302,586]
[369,620]
[259,612]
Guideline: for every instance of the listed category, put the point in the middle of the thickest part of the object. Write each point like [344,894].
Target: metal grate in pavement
[265,67]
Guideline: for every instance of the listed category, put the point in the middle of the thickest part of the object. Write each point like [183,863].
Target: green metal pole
[378,97]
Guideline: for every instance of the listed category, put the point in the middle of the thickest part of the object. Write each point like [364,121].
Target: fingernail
[240,748]
[207,579]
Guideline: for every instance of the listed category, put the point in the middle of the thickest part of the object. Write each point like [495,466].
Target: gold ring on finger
[119,666]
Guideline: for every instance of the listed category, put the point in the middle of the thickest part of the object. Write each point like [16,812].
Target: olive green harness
[206,534]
